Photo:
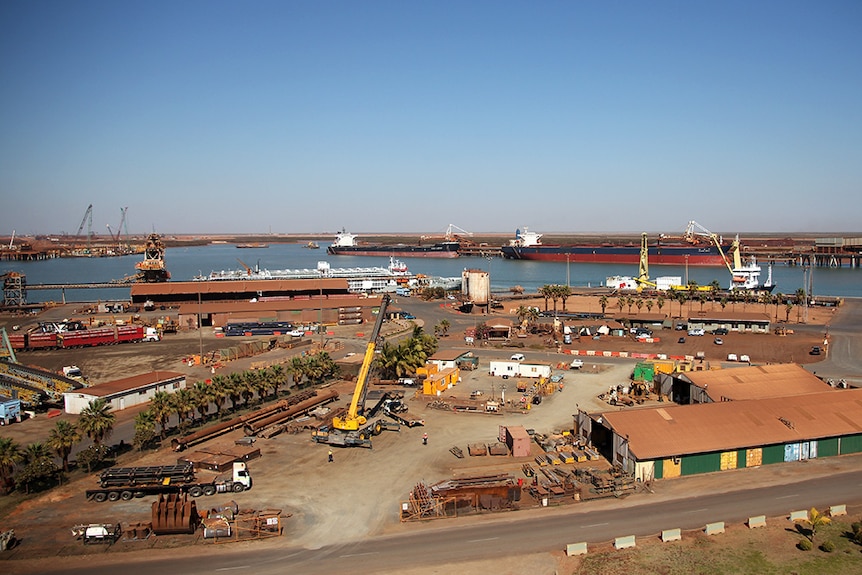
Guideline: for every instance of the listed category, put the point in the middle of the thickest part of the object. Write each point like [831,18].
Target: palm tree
[603,301]
[62,439]
[800,303]
[546,291]
[277,375]
[145,429]
[39,466]
[218,392]
[97,421]
[816,520]
[639,303]
[681,297]
[201,398]
[297,370]
[445,325]
[160,406]
[630,301]
[659,302]
[565,293]
[234,387]
[182,404]
[621,303]
[10,456]
[649,303]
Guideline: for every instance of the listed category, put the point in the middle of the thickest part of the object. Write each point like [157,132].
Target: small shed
[517,439]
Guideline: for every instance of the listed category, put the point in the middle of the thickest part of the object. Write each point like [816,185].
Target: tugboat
[152,269]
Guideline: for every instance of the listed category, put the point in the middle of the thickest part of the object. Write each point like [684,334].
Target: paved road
[451,542]
[844,356]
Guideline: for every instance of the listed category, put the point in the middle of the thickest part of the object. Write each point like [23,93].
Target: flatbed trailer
[126,483]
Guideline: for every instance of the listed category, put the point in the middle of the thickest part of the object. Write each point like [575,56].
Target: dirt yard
[318,499]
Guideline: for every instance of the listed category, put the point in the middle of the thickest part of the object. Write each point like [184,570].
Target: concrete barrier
[576,549]
[624,542]
[799,515]
[671,535]
[714,528]
[757,521]
[837,510]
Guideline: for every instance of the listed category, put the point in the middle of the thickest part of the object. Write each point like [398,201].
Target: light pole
[200,330]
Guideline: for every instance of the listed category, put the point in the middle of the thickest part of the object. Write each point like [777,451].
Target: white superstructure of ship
[359,279]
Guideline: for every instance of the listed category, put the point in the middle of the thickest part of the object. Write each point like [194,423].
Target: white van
[696,331]
[517,357]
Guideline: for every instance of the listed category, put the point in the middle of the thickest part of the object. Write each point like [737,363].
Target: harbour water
[187,262]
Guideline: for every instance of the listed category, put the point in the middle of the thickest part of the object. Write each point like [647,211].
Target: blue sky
[298,117]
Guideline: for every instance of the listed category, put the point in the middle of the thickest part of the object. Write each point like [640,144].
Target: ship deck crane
[354,429]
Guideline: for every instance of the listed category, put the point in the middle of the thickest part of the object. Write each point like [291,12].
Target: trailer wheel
[113,496]
[196,491]
[209,490]
[100,497]
[126,495]
[237,487]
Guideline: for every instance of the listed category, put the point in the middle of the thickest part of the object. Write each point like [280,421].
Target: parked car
[576,364]
[720,331]
[406,315]
[744,358]
[680,327]
[696,331]
[406,381]
[718,341]
[681,340]
[732,357]
[517,357]
[815,350]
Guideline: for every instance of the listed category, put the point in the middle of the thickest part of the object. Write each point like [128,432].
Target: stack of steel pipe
[178,444]
[254,427]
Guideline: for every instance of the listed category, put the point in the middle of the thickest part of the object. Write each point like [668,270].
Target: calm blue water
[185,263]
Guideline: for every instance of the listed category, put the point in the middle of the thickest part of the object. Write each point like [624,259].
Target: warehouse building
[126,392]
[759,418]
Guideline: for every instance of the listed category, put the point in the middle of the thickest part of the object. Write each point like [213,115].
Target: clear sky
[405,116]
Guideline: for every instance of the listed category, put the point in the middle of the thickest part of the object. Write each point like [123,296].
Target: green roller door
[740,459]
[827,447]
[658,469]
[773,454]
[703,463]
[851,444]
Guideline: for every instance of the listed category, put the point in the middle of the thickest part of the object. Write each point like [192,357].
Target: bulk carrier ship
[345,244]
[693,249]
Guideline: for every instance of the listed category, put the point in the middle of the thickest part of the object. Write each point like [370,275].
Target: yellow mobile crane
[354,429]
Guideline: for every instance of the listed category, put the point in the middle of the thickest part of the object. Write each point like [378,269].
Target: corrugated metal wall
[851,444]
[701,463]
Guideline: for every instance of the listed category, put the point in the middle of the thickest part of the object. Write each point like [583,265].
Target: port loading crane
[354,429]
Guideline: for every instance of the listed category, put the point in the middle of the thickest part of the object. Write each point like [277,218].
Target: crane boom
[353,420]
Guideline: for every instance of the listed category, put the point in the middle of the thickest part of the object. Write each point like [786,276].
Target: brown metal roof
[130,383]
[235,286]
[756,382]
[730,316]
[713,427]
[276,305]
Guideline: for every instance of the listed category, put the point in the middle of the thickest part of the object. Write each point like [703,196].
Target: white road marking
[788,496]
[359,554]
[698,510]
[594,525]
[480,540]
[233,568]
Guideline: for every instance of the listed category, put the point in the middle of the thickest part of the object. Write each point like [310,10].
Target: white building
[127,392]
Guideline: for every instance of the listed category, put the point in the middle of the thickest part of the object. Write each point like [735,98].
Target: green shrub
[827,546]
[804,545]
